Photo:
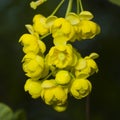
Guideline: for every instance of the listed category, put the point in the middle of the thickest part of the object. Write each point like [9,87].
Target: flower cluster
[61,71]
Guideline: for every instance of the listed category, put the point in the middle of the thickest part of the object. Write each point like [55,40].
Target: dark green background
[105,97]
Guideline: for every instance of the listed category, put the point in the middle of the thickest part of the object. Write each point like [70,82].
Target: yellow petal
[85,15]
[73,18]
[48,83]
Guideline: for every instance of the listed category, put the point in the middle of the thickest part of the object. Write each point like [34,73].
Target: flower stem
[69,7]
[81,7]
[42,37]
[78,8]
[47,76]
[57,8]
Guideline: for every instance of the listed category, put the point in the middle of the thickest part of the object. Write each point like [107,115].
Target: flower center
[61,56]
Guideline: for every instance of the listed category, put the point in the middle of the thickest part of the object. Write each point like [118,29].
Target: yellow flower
[80,88]
[87,29]
[61,56]
[62,31]
[62,77]
[31,43]
[33,65]
[86,67]
[54,95]
[74,19]
[33,87]
[39,24]
[83,27]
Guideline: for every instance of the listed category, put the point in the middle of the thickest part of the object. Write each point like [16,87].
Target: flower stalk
[57,8]
[69,8]
[81,6]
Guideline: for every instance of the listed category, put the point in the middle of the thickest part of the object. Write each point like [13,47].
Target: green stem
[78,8]
[45,36]
[69,7]
[57,8]
[81,7]
[47,76]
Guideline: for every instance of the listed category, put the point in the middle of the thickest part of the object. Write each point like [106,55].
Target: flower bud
[32,43]
[54,95]
[39,24]
[80,88]
[62,77]
[62,31]
[33,87]
[33,65]
[88,29]
[86,66]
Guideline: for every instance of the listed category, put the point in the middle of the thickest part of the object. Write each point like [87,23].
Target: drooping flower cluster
[62,71]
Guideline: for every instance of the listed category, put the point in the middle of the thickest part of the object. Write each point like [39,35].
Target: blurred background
[105,96]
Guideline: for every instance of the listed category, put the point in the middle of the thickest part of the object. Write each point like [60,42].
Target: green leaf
[117,2]
[5,112]
[19,115]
